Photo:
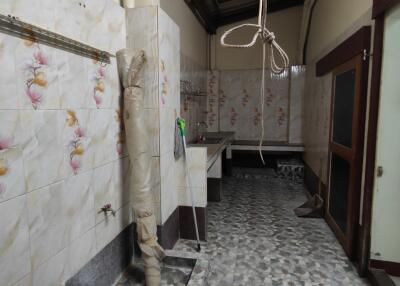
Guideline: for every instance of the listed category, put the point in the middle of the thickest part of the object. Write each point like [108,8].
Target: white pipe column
[139,3]
[130,64]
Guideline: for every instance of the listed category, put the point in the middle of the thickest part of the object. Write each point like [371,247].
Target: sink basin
[210,141]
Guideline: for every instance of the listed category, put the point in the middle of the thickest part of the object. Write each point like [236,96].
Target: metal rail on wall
[14,26]
[188,90]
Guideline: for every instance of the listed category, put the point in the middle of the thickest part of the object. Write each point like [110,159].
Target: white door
[385,233]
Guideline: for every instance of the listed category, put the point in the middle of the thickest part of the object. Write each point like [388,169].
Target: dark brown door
[345,153]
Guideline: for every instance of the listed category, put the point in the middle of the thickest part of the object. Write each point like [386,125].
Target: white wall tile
[297,85]
[103,189]
[72,74]
[153,126]
[142,34]
[58,214]
[8,85]
[110,227]
[12,182]
[80,251]
[169,61]
[14,241]
[26,281]
[317,101]
[167,130]
[102,148]
[41,14]
[78,204]
[199,195]
[53,271]
[42,148]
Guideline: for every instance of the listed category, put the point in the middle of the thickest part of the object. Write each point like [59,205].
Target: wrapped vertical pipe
[128,3]
[130,64]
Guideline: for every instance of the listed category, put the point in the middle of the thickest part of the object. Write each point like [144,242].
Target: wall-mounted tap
[202,123]
[107,208]
[201,136]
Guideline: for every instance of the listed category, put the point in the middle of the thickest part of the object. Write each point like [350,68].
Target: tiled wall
[169,95]
[150,29]
[317,104]
[234,104]
[317,99]
[296,104]
[61,150]
[193,108]
[89,21]
[212,90]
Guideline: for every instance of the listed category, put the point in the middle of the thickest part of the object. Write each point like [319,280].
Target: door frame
[353,155]
[357,44]
[379,9]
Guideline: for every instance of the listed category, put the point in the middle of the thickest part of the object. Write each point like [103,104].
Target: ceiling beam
[212,21]
[238,15]
[281,5]
[201,13]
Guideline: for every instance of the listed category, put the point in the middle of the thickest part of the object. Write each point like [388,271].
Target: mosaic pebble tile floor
[254,238]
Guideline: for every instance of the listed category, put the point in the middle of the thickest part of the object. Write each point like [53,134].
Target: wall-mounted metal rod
[14,26]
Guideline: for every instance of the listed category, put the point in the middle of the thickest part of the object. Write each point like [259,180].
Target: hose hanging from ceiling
[268,40]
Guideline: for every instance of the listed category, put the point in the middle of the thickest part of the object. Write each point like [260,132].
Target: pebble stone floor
[254,238]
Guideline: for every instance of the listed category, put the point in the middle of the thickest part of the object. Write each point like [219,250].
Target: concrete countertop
[214,150]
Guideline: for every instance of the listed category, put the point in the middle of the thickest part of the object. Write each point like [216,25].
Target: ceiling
[215,13]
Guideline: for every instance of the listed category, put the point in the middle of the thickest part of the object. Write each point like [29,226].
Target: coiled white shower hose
[268,38]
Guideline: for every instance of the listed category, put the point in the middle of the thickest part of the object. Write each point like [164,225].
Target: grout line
[65,178]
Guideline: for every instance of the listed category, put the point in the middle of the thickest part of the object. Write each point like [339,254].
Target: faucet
[202,123]
[107,208]
[201,136]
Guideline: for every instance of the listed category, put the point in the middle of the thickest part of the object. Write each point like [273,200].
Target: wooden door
[345,152]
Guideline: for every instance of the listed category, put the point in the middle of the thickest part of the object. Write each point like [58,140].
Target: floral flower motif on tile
[256,117]
[212,117]
[222,98]
[4,170]
[76,144]
[269,98]
[120,136]
[281,116]
[5,143]
[211,83]
[211,104]
[98,85]
[36,80]
[212,99]
[245,98]
[233,116]
[164,81]
[3,167]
